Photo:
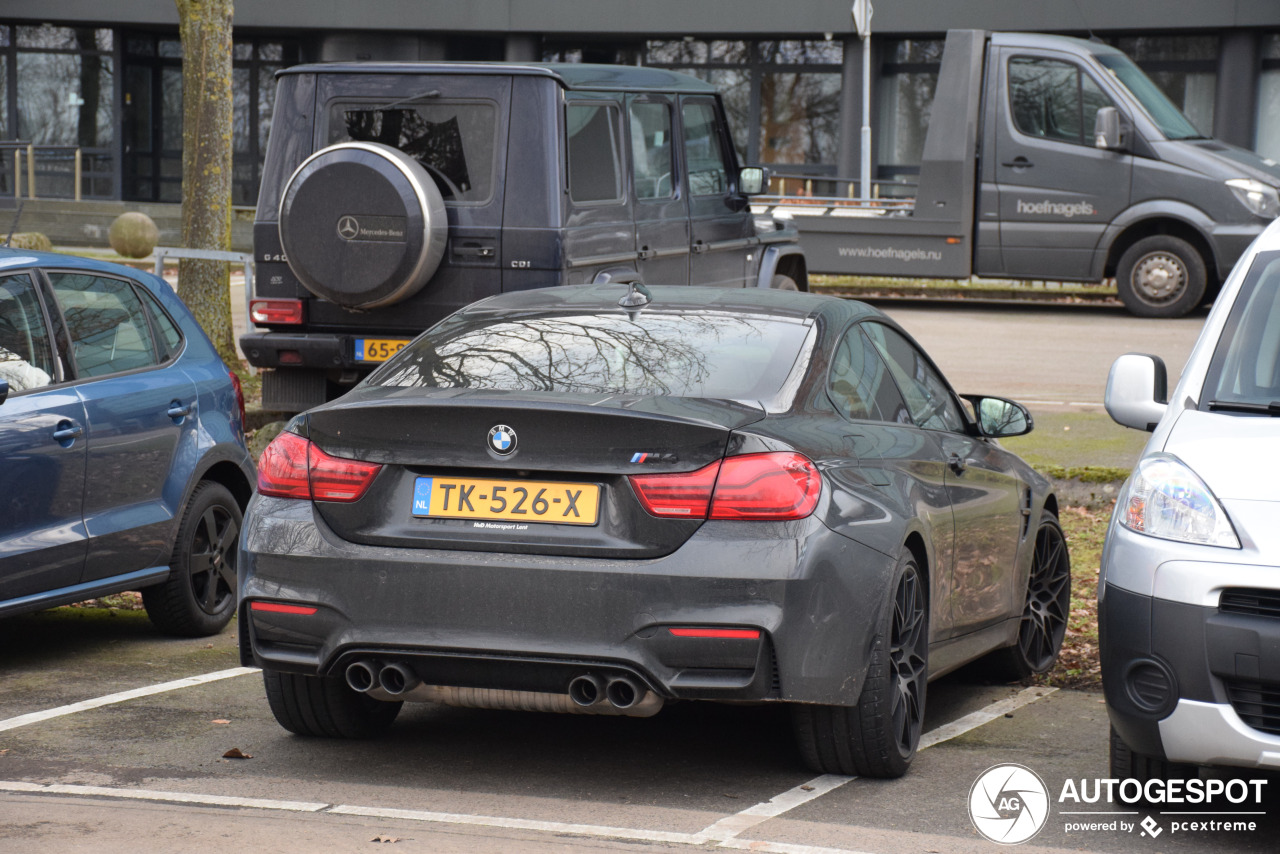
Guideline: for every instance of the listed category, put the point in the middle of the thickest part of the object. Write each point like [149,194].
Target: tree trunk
[205,27]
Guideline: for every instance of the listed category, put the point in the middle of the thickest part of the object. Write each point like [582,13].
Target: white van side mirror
[1137,391]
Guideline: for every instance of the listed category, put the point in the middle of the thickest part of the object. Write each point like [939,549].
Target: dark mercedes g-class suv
[395,193]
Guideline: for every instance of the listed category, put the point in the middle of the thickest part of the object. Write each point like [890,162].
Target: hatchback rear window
[454,141]
[725,355]
[1246,363]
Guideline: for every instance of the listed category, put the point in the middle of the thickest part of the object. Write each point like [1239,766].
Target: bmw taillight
[293,467]
[758,487]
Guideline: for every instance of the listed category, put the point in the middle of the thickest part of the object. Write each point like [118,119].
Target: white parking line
[123,696]
[723,833]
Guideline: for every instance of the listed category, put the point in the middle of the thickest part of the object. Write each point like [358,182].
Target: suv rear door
[599,210]
[661,205]
[718,218]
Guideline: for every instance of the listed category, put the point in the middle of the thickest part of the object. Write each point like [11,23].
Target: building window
[255,62]
[909,75]
[1267,141]
[782,97]
[64,80]
[1184,67]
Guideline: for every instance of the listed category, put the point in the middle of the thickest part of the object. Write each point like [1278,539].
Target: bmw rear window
[723,355]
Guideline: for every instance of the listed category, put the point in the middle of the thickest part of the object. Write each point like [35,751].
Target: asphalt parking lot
[81,769]
[114,738]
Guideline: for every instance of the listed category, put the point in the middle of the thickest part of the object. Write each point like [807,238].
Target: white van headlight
[1164,498]
[1262,199]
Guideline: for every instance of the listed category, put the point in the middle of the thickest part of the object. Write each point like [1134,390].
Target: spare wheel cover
[362,224]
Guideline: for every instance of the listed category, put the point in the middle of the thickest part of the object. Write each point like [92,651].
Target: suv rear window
[725,355]
[454,141]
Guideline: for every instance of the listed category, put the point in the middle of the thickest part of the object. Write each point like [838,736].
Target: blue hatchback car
[123,463]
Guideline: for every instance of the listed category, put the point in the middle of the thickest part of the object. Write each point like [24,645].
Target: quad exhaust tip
[397,679]
[623,692]
[362,676]
[586,690]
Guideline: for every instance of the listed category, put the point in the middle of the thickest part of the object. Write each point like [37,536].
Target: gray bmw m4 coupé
[601,499]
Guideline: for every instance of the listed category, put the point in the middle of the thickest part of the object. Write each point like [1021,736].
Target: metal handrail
[19,146]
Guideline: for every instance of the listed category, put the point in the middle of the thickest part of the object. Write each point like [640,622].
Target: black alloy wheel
[200,596]
[878,737]
[1044,619]
[908,655]
[1043,623]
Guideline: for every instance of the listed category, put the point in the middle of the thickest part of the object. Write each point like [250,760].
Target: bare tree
[205,27]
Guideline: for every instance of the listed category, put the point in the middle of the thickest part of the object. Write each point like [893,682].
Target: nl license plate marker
[378,349]
[506,500]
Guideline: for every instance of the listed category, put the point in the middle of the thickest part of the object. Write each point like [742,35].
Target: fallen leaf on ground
[234,753]
[385,839]
[221,721]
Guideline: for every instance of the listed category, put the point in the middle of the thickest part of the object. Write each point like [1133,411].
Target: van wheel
[1161,276]
[200,596]
[783,283]
[324,707]
[879,736]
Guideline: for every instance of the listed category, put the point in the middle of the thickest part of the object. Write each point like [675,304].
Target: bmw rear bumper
[531,623]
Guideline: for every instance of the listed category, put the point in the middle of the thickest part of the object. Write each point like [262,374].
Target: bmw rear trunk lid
[531,472]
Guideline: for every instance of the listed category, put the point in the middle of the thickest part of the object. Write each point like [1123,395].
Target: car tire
[1126,764]
[878,737]
[1046,607]
[783,283]
[1161,276]
[325,707]
[199,598]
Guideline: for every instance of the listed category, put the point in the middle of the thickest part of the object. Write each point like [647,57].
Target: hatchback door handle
[67,431]
[177,410]
[1019,163]
[956,464]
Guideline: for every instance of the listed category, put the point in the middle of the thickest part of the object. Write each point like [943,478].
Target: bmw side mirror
[1107,132]
[753,180]
[999,418]
[4,391]
[1137,391]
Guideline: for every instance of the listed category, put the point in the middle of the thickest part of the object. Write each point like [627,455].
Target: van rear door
[1056,191]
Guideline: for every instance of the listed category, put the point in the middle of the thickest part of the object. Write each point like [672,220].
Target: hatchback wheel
[1044,612]
[878,737]
[200,596]
[323,706]
[1125,764]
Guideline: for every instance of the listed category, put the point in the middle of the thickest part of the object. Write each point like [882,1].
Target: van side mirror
[4,391]
[1137,391]
[1107,131]
[753,180]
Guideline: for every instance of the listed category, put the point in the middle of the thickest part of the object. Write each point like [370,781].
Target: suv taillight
[758,487]
[276,312]
[293,467]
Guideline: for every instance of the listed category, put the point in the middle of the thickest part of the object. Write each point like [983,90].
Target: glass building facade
[114,94]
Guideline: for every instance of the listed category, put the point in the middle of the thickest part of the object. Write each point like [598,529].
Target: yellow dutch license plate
[506,500]
[378,349]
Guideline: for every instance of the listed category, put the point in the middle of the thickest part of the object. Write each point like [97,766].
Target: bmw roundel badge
[502,439]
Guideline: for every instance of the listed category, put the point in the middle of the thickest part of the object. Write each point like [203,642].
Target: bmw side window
[708,175]
[860,384]
[1052,99]
[107,323]
[595,152]
[651,150]
[929,399]
[26,357]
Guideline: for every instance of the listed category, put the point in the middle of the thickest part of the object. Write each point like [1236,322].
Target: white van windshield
[1244,375]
